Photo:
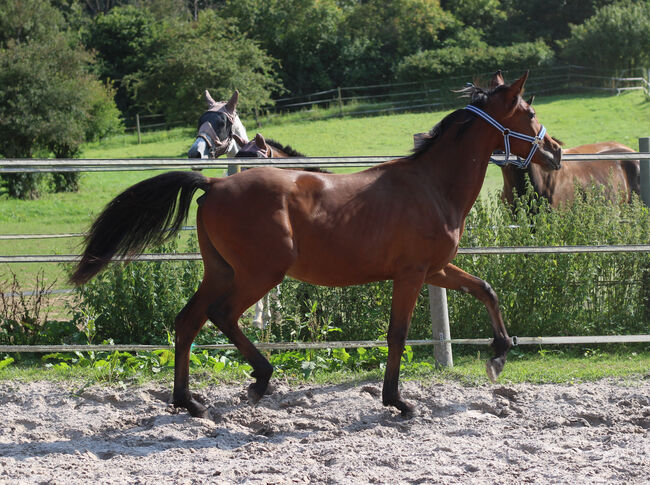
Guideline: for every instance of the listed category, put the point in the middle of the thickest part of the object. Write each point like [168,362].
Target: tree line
[72,70]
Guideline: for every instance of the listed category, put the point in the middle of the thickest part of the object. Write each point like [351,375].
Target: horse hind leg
[225,313]
[454,278]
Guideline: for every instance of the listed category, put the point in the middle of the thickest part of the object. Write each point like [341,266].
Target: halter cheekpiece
[535,141]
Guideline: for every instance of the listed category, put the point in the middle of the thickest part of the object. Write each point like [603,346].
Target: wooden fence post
[439,312]
[340,99]
[137,123]
[644,146]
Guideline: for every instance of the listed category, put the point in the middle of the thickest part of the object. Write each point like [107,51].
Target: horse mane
[286,149]
[477,97]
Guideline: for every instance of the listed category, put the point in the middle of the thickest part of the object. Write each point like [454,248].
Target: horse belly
[325,263]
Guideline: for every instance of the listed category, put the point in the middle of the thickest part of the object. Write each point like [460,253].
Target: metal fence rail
[157,257]
[595,339]
[19,165]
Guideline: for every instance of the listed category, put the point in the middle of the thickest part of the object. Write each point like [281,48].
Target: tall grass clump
[137,303]
[558,294]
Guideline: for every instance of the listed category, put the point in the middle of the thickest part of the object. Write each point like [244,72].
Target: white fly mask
[220,129]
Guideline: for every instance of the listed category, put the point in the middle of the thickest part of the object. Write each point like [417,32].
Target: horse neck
[456,165]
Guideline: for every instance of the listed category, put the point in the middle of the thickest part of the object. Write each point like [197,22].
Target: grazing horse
[220,129]
[559,187]
[401,220]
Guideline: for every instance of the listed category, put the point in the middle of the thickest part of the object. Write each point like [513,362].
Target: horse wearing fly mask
[220,131]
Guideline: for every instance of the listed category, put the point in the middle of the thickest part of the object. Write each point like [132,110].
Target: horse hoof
[197,410]
[493,368]
[407,410]
[253,395]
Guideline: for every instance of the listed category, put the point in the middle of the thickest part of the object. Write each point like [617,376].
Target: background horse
[220,129]
[559,187]
[401,220]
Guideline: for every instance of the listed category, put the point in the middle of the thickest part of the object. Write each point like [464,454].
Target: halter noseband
[535,141]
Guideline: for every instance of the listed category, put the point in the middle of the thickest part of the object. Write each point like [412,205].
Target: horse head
[257,148]
[517,121]
[219,129]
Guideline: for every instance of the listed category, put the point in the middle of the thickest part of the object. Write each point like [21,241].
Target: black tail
[149,212]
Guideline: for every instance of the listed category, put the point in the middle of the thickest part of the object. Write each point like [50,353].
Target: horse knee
[486,294]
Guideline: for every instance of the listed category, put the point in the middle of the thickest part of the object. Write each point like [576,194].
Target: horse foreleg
[454,278]
[405,294]
[187,325]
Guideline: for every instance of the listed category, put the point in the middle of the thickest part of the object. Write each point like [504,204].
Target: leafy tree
[378,35]
[48,99]
[123,39]
[529,20]
[616,37]
[210,53]
[302,34]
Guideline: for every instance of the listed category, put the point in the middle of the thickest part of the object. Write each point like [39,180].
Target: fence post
[340,101]
[644,146]
[137,123]
[439,312]
[233,169]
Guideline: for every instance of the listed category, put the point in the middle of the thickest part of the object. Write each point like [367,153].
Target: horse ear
[530,100]
[497,80]
[518,86]
[239,140]
[260,141]
[208,99]
[232,102]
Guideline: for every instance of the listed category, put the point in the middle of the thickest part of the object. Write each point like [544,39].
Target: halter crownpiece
[535,141]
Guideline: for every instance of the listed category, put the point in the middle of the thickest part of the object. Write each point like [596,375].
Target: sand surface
[587,433]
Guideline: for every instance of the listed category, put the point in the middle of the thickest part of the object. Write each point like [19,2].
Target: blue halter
[535,141]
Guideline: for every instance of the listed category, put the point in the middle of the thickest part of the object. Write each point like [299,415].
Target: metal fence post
[644,146]
[439,312]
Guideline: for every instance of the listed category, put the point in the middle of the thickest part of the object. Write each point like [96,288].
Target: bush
[456,60]
[24,317]
[137,303]
[22,185]
[616,37]
[65,181]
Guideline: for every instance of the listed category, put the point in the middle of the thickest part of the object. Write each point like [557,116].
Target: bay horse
[220,131]
[401,220]
[618,177]
[260,147]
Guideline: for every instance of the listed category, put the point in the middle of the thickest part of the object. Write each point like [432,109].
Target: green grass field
[575,119]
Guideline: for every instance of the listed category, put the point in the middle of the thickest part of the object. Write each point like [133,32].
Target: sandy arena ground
[587,433]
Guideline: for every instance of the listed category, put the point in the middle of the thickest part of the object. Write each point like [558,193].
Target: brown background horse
[618,177]
[401,220]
